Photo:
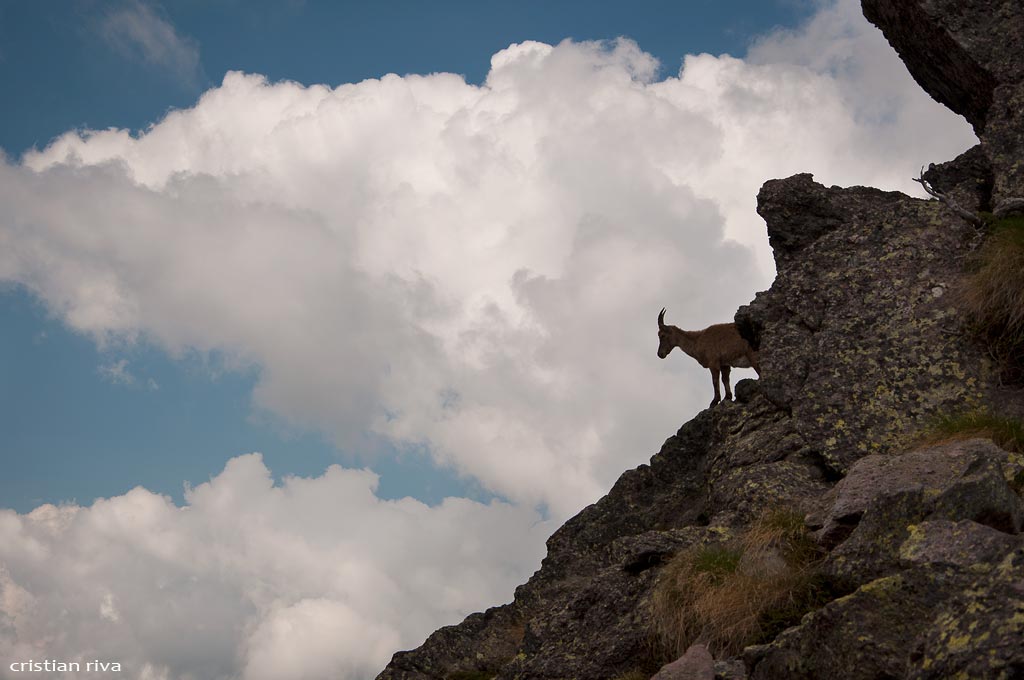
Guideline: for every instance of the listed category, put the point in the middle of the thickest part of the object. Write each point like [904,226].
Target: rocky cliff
[920,564]
[967,55]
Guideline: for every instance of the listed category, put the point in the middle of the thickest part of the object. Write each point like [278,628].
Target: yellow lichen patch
[912,545]
[1013,624]
[883,587]
[1008,568]
[957,643]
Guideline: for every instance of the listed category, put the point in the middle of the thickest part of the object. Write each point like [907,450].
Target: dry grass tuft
[740,592]
[993,296]
[634,675]
[1006,433]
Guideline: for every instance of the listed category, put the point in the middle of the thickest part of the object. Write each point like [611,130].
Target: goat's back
[728,344]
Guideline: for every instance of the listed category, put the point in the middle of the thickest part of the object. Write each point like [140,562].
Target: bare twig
[949,202]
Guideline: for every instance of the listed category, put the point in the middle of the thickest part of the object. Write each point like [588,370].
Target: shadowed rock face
[936,40]
[966,54]
[860,346]
[584,615]
[856,333]
[579,613]
[967,180]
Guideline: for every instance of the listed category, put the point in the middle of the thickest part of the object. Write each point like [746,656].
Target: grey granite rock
[696,664]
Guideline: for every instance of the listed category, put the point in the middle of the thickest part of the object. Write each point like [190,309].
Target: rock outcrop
[966,54]
[858,332]
[861,347]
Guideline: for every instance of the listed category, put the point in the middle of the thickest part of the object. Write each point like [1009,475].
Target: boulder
[964,544]
[871,512]
[696,664]
[954,478]
[978,631]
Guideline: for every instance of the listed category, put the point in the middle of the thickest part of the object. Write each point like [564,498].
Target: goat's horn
[661,318]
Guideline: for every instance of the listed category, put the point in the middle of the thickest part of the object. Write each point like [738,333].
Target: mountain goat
[718,348]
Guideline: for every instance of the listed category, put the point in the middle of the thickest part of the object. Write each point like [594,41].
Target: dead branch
[948,201]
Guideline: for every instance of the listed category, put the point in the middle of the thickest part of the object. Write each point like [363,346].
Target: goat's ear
[661,318]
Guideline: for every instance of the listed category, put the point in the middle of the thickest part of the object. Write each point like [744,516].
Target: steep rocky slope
[861,346]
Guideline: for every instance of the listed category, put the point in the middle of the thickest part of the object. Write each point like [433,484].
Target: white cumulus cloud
[470,271]
[312,578]
[474,268]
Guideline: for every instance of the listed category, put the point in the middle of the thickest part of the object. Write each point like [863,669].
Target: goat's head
[665,340]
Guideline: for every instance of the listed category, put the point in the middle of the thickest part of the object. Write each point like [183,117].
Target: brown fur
[717,348]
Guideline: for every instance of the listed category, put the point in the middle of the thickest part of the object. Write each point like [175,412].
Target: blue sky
[300,361]
[61,73]
[74,434]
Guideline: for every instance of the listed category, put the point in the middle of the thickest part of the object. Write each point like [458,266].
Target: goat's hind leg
[714,381]
[725,382]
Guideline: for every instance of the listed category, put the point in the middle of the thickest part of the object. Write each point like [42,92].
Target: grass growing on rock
[717,562]
[738,592]
[993,296]
[1006,433]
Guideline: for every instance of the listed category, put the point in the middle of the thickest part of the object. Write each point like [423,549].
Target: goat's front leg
[725,381]
[714,381]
